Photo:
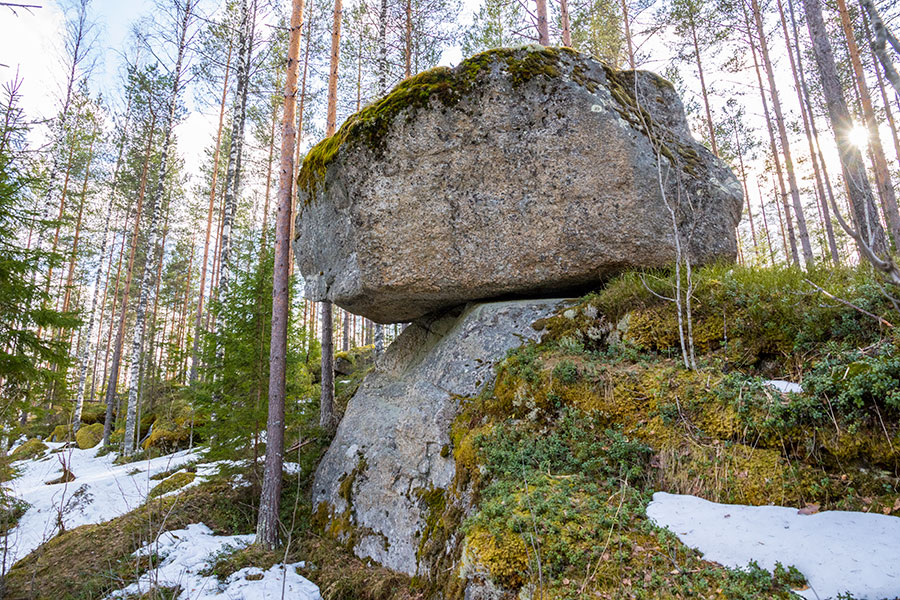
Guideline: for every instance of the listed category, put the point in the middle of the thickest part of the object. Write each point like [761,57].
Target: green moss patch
[93,560]
[562,453]
[89,436]
[439,86]
[172,483]
[30,449]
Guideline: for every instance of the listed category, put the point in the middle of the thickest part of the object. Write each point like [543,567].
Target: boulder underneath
[522,172]
[391,457]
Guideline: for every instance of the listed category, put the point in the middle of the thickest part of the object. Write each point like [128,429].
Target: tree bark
[793,255]
[566,28]
[882,174]
[865,216]
[195,351]
[267,523]
[185,13]
[703,90]
[543,26]
[113,382]
[326,398]
[235,158]
[785,143]
[808,127]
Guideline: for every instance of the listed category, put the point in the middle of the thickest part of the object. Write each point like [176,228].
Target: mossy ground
[173,482]
[563,452]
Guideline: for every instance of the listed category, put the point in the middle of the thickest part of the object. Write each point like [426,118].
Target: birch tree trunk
[267,523]
[185,13]
[113,382]
[89,347]
[235,157]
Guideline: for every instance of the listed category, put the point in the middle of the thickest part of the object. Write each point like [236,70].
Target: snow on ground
[837,551]
[785,387]
[188,552]
[100,491]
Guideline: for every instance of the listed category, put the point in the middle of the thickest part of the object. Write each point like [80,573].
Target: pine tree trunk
[808,127]
[564,19]
[115,304]
[267,523]
[773,146]
[871,235]
[543,25]
[73,257]
[113,382]
[794,191]
[326,400]
[89,347]
[703,90]
[157,201]
[882,174]
[626,22]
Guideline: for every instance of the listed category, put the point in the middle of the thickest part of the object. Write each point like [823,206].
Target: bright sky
[31,42]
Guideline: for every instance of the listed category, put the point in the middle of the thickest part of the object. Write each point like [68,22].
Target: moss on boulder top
[518,173]
[89,436]
[30,449]
[446,86]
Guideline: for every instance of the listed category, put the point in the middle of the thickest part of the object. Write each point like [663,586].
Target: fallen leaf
[809,509]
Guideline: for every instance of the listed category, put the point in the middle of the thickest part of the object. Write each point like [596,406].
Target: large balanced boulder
[383,480]
[520,172]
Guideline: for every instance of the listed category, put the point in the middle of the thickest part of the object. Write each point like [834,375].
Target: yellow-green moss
[506,557]
[172,483]
[30,449]
[93,412]
[61,433]
[89,436]
[168,435]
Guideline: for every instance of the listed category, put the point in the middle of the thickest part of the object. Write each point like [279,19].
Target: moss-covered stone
[369,127]
[506,557]
[61,433]
[93,412]
[89,436]
[172,483]
[30,449]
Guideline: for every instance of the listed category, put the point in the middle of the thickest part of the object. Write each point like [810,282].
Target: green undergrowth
[561,455]
[91,561]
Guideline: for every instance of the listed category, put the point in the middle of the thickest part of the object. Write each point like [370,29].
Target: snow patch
[186,553]
[785,387]
[100,491]
[838,551]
